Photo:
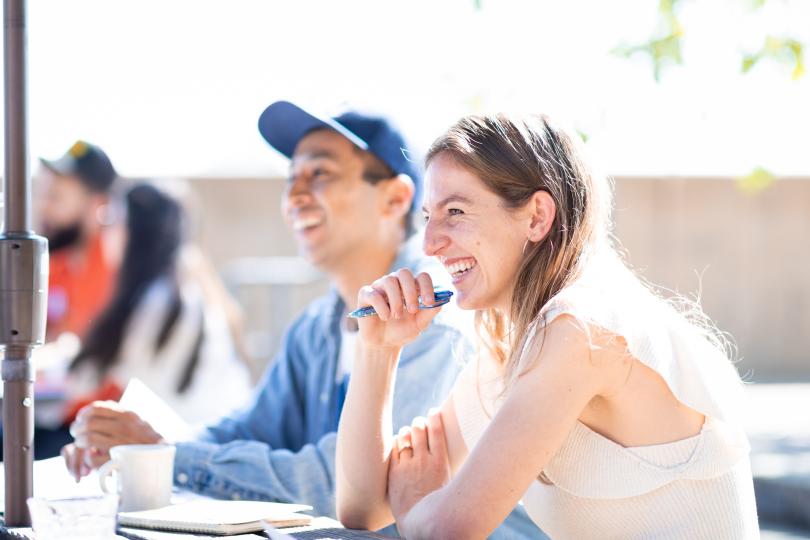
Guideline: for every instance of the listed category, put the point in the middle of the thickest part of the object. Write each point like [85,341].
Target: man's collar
[410,252]
[409,255]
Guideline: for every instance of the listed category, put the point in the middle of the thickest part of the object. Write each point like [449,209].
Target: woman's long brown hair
[516,157]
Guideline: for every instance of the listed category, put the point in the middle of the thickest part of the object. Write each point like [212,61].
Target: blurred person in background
[75,203]
[350,200]
[167,323]
[74,207]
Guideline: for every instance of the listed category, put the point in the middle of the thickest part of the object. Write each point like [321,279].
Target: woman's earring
[526,243]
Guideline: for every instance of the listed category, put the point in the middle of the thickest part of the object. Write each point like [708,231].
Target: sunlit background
[175,87]
[699,110]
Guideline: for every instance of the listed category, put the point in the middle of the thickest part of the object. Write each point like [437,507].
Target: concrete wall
[748,253]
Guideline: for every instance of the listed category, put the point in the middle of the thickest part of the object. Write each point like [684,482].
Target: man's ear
[542,211]
[99,208]
[398,195]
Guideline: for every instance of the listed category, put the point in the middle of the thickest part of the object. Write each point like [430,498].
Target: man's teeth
[301,224]
[460,266]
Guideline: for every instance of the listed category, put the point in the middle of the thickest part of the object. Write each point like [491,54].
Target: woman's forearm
[364,441]
[437,516]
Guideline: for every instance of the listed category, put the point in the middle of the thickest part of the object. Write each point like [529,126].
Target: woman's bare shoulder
[569,343]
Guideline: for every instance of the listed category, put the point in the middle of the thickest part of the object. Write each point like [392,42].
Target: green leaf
[773,45]
[663,49]
[623,50]
[798,71]
[783,50]
[748,62]
[756,181]
[798,52]
[668,47]
[667,7]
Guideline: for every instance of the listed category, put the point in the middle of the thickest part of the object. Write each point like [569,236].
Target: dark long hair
[155,227]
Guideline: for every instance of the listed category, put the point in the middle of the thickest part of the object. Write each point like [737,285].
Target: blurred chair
[272,291]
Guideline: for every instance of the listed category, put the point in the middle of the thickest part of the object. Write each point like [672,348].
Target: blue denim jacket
[281,447]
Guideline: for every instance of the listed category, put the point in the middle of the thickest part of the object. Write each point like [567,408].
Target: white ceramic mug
[144,475]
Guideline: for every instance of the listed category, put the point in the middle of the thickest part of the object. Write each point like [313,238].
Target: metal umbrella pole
[23,278]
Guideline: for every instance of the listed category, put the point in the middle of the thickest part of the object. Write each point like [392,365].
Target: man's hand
[75,461]
[97,428]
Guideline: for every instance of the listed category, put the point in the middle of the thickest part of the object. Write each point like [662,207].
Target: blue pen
[440,296]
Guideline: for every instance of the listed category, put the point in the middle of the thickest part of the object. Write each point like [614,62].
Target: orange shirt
[109,390]
[78,288]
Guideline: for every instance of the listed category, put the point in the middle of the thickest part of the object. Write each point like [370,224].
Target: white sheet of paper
[139,399]
[53,481]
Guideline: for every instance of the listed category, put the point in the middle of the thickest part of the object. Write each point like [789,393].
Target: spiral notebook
[217,517]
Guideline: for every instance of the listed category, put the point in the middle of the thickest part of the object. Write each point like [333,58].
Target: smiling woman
[606,410]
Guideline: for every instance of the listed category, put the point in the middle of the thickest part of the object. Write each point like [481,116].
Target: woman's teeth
[457,269]
[301,224]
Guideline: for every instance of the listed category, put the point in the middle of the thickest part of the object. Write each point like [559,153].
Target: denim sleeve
[254,470]
[247,454]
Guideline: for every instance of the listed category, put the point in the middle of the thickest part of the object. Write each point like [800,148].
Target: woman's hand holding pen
[395,298]
[364,435]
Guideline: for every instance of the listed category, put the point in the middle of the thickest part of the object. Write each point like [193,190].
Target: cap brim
[62,166]
[284,124]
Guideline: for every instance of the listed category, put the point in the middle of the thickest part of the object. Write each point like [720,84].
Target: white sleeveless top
[695,488]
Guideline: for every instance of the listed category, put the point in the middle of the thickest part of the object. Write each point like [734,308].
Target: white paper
[217,512]
[53,481]
[141,400]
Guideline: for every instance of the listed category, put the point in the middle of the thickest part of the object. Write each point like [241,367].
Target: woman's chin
[469,302]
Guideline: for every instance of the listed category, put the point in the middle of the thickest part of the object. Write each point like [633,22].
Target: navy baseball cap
[88,163]
[284,124]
